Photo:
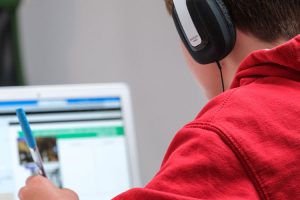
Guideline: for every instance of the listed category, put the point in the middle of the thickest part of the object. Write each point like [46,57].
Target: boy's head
[260,24]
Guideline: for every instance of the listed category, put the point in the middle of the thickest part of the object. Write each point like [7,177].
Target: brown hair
[268,20]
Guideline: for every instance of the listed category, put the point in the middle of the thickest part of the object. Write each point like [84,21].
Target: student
[245,143]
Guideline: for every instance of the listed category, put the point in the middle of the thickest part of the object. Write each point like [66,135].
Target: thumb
[70,194]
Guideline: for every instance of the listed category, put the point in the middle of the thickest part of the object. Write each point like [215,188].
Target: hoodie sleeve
[197,165]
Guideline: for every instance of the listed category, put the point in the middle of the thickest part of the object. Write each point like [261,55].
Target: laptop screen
[81,141]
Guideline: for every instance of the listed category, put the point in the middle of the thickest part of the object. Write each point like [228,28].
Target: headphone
[206,29]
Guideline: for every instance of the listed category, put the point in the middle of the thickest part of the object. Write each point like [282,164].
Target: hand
[38,187]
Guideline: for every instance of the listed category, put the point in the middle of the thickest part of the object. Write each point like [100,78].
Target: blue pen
[30,140]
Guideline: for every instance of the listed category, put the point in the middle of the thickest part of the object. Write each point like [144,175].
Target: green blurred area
[9,4]
[11,69]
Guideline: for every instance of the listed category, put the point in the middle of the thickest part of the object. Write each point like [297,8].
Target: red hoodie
[245,143]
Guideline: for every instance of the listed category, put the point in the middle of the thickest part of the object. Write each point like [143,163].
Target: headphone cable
[221,73]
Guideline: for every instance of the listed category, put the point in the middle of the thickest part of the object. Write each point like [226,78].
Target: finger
[35,180]
[29,180]
[22,193]
[70,193]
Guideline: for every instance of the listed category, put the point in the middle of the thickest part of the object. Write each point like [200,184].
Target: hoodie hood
[282,61]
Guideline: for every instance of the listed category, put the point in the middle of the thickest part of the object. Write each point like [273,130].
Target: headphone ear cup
[213,23]
[227,17]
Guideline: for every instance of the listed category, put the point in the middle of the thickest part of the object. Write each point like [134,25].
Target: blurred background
[95,41]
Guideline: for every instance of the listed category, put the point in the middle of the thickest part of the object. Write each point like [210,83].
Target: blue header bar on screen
[71,101]
[18,103]
[92,100]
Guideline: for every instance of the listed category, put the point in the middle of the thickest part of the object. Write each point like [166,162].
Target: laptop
[84,133]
